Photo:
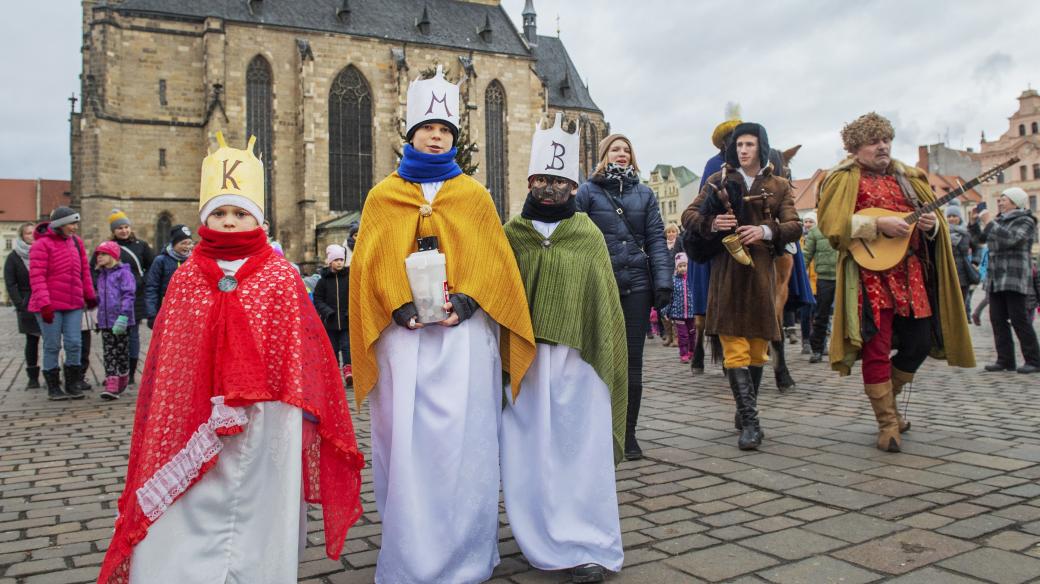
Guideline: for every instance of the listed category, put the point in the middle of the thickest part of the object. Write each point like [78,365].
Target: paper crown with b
[554,151]
[232,177]
[433,100]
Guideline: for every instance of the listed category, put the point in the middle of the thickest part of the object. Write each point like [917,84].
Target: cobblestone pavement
[817,503]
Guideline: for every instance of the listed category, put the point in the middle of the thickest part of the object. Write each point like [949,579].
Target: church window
[495,130]
[1021,129]
[162,230]
[259,117]
[350,140]
[162,92]
[162,158]
[1035,127]
[1036,171]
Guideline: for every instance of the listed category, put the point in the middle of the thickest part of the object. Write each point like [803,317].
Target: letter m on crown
[443,100]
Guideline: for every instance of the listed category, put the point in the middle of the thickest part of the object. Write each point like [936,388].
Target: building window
[1021,129]
[1000,177]
[1032,204]
[162,231]
[495,150]
[9,245]
[590,144]
[162,92]
[162,158]
[1034,127]
[1036,172]
[259,115]
[350,141]
[1022,174]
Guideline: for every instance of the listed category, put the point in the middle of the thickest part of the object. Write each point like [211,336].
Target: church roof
[452,23]
[560,76]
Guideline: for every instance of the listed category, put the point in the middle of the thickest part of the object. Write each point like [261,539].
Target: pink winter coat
[58,271]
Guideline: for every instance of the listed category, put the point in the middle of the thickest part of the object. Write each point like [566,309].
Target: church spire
[530,23]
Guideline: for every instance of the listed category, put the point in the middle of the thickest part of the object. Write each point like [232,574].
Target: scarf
[231,245]
[173,254]
[22,249]
[621,174]
[420,167]
[536,211]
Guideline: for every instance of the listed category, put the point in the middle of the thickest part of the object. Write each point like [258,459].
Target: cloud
[992,67]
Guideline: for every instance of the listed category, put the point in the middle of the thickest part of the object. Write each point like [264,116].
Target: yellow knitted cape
[480,264]
[837,205]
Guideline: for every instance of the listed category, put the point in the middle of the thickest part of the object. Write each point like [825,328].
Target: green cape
[575,302]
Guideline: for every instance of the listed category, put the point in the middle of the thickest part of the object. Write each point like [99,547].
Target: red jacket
[58,271]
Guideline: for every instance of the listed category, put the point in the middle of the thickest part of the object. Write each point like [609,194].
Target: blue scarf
[419,167]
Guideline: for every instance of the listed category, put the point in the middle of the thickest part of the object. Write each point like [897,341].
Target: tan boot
[884,403]
[899,379]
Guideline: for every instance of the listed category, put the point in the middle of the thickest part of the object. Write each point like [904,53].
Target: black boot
[34,377]
[697,363]
[72,379]
[632,449]
[133,372]
[52,378]
[84,366]
[743,389]
[756,383]
[784,381]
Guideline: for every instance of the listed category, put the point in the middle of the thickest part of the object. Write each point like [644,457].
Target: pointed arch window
[350,140]
[259,116]
[496,147]
[163,225]
[590,145]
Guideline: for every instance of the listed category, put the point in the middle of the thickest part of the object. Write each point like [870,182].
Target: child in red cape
[239,366]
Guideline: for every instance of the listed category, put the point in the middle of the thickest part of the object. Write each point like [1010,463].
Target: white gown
[558,462]
[436,410]
[244,521]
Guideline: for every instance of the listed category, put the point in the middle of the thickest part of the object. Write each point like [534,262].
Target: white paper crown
[554,151]
[433,99]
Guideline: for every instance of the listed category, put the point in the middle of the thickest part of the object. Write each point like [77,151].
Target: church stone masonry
[161,77]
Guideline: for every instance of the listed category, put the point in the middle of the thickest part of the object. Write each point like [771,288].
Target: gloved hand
[662,298]
[403,315]
[119,327]
[47,314]
[91,302]
[463,305]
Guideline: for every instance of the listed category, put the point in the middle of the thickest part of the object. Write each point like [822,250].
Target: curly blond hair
[866,129]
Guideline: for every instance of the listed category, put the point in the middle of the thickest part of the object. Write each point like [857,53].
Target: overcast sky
[663,71]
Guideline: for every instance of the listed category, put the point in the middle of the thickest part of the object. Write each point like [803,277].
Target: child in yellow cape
[435,388]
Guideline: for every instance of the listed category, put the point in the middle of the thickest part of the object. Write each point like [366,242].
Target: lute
[885,251]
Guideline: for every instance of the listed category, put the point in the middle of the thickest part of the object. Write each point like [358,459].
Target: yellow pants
[743,352]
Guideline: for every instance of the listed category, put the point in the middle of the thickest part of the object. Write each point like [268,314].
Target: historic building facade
[321,84]
[675,187]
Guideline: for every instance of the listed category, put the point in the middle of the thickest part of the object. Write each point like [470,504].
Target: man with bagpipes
[868,202]
[743,218]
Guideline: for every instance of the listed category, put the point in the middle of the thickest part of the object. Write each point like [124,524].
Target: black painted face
[551,190]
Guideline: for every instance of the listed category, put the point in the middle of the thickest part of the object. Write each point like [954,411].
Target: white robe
[436,409]
[244,521]
[558,462]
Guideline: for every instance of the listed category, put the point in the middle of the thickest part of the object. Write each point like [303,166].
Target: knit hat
[605,143]
[62,216]
[1017,196]
[954,208]
[811,215]
[117,219]
[865,130]
[179,233]
[722,131]
[109,248]
[232,177]
[335,252]
[680,258]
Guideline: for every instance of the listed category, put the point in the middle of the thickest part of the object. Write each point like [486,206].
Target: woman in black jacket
[628,214]
[16,278]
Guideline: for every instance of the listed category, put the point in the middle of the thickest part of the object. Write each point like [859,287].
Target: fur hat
[117,219]
[864,130]
[1017,196]
[62,216]
[722,131]
[745,128]
[109,248]
[335,252]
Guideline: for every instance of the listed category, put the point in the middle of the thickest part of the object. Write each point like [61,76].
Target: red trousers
[913,341]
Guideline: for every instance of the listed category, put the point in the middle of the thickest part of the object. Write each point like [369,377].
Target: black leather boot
[784,381]
[632,449]
[52,378]
[72,379]
[743,389]
[33,373]
[133,371]
[82,383]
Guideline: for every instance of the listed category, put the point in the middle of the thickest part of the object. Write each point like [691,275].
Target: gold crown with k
[230,172]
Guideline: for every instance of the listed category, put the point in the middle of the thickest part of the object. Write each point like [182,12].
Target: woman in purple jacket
[117,289]
[60,278]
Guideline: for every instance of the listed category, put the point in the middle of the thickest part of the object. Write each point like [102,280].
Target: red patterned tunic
[900,288]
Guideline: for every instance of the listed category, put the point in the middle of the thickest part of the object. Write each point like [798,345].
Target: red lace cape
[261,342]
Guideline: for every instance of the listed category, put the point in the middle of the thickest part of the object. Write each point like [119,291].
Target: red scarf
[261,341]
[230,245]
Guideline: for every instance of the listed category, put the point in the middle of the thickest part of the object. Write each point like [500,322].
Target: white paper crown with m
[433,100]
[554,151]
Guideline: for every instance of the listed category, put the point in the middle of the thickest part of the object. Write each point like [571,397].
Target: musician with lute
[897,285]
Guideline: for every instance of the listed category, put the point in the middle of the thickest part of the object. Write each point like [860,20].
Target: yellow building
[1021,139]
[675,187]
[321,83]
